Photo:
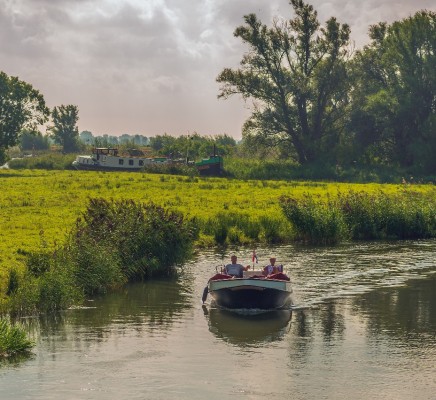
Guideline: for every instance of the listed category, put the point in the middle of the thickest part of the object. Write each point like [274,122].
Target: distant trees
[30,140]
[296,74]
[394,100]
[316,103]
[21,106]
[192,146]
[64,130]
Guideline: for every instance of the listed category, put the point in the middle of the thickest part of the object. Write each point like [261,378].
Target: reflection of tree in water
[332,321]
[406,312]
[145,307]
[246,330]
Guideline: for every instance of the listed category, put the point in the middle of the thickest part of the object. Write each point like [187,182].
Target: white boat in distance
[108,158]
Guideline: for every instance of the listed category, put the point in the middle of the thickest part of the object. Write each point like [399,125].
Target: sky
[149,67]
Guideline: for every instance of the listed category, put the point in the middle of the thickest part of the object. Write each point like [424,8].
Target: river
[363,327]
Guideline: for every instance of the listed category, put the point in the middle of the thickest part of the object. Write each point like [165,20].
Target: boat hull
[97,167]
[259,294]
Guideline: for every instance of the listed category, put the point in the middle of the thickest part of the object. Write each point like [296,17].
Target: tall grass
[111,243]
[50,161]
[13,339]
[243,228]
[314,221]
[359,215]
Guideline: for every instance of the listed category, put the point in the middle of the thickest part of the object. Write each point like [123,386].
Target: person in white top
[272,268]
[234,268]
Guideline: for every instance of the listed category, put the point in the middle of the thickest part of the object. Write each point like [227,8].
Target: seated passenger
[272,268]
[235,269]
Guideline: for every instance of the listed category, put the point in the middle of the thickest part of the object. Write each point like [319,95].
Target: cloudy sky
[149,66]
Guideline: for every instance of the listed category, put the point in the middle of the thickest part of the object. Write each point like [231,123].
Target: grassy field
[38,208]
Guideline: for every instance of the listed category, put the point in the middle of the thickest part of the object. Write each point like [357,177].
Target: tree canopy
[295,73]
[21,106]
[64,129]
[317,102]
[394,104]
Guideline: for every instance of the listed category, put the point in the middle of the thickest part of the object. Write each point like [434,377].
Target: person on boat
[272,268]
[234,268]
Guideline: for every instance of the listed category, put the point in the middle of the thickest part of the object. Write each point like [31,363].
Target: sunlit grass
[38,208]
[13,339]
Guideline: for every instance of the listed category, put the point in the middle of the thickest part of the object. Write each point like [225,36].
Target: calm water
[364,327]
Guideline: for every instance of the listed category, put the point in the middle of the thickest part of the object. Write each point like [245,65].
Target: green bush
[115,241]
[13,339]
[359,216]
[315,222]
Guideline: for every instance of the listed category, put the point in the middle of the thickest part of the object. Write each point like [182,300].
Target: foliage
[64,130]
[116,241]
[192,146]
[13,338]
[13,282]
[111,243]
[295,72]
[21,106]
[47,161]
[315,222]
[393,114]
[171,169]
[46,285]
[360,215]
[33,140]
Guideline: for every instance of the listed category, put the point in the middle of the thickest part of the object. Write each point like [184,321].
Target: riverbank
[38,208]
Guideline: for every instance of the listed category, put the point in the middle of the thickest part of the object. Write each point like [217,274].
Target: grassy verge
[362,216]
[111,243]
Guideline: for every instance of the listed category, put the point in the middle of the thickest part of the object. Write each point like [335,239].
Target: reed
[13,339]
[38,208]
[111,243]
[315,222]
[362,216]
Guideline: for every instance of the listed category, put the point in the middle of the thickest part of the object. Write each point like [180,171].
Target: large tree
[64,130]
[394,97]
[295,73]
[21,106]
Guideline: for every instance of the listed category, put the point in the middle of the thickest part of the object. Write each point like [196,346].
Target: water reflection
[407,313]
[248,329]
[145,308]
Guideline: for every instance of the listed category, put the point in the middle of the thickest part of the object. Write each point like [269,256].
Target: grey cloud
[131,63]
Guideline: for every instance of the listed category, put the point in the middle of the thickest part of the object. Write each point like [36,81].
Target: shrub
[138,240]
[315,222]
[13,282]
[13,339]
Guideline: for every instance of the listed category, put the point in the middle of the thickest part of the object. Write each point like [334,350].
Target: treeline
[317,102]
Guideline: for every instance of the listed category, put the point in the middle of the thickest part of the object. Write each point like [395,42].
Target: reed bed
[13,339]
[362,216]
[38,208]
[113,242]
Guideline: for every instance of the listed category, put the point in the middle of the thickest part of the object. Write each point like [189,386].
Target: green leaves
[294,73]
[64,129]
[395,92]
[21,106]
